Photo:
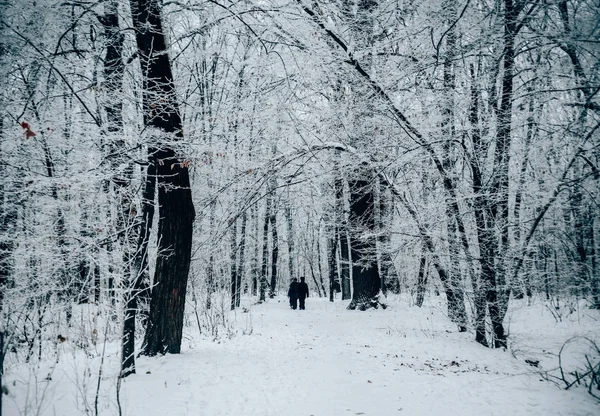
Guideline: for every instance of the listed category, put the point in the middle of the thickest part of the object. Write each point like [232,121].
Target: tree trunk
[241,262]
[274,241]
[365,275]
[530,133]
[421,278]
[493,254]
[479,283]
[389,275]
[8,218]
[331,262]
[233,263]
[342,229]
[255,265]
[140,269]
[290,233]
[175,225]
[320,263]
[6,245]
[344,242]
[594,270]
[454,287]
[265,247]
[114,70]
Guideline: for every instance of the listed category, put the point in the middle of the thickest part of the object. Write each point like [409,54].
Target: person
[302,292]
[293,293]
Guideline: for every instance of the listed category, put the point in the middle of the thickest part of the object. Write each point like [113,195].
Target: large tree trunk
[175,225]
[478,208]
[365,274]
[114,69]
[454,286]
[495,248]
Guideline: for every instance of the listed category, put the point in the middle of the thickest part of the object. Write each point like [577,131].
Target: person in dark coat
[293,293]
[302,292]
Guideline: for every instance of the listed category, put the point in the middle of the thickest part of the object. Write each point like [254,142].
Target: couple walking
[298,292]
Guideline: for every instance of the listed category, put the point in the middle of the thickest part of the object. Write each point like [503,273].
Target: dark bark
[320,267]
[6,245]
[290,233]
[274,242]
[241,261]
[1,368]
[210,280]
[531,132]
[233,263]
[331,262]
[175,228]
[365,274]
[389,275]
[421,280]
[265,248]
[175,225]
[97,283]
[595,283]
[494,247]
[345,264]
[403,121]
[454,286]
[478,208]
[114,69]
[314,277]
[8,217]
[210,267]
[140,260]
[255,266]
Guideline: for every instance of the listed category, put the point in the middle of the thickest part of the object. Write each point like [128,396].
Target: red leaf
[28,132]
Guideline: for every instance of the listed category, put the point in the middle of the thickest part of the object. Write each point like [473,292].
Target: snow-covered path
[327,361]
[324,361]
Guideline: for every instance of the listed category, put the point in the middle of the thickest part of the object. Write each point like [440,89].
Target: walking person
[293,293]
[302,292]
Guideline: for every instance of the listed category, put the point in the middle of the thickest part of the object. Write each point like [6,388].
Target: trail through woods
[324,361]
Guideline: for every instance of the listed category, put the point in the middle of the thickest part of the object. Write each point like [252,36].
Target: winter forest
[431,168]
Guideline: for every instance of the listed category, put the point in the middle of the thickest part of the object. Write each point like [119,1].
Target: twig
[100,371]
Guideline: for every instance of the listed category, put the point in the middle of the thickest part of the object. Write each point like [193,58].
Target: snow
[323,361]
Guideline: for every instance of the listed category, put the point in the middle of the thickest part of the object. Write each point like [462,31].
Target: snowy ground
[324,361]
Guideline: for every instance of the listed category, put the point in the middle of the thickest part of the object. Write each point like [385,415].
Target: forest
[165,164]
